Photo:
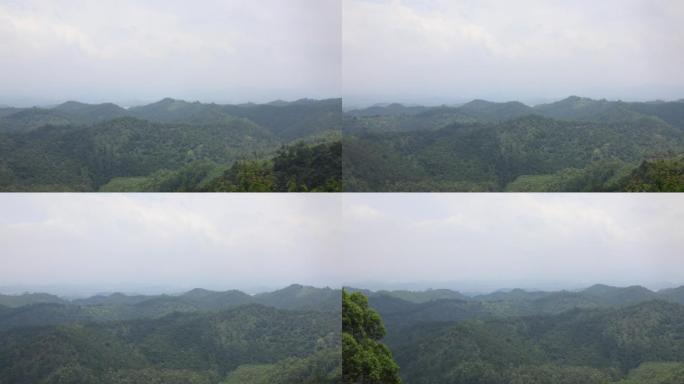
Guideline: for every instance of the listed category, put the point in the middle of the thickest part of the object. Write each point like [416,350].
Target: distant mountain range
[598,335]
[573,108]
[576,144]
[34,309]
[284,119]
[287,336]
[405,308]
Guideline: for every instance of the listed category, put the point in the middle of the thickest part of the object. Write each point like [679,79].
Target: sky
[451,51]
[149,243]
[130,51]
[90,243]
[483,242]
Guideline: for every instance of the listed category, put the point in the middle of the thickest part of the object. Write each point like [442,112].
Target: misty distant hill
[406,308]
[45,309]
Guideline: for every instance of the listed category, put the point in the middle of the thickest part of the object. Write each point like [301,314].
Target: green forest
[576,144]
[601,334]
[172,145]
[287,336]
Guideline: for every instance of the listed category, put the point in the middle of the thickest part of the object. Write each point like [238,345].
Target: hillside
[600,334]
[286,336]
[197,347]
[50,310]
[588,346]
[171,145]
[576,144]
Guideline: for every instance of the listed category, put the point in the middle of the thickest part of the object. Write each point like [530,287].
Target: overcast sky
[144,50]
[449,51]
[492,241]
[139,241]
[468,242]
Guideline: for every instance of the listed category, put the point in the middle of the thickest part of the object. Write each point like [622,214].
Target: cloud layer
[453,50]
[178,240]
[464,241]
[216,50]
[499,240]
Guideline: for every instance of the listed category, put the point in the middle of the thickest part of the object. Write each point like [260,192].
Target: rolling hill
[171,145]
[200,336]
[576,144]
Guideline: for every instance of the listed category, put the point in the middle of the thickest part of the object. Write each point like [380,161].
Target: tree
[365,360]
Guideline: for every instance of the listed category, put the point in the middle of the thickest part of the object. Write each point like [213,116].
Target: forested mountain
[171,145]
[43,309]
[576,144]
[200,336]
[601,334]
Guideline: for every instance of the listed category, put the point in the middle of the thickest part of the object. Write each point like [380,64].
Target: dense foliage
[198,337]
[171,145]
[44,310]
[576,144]
[600,335]
[364,358]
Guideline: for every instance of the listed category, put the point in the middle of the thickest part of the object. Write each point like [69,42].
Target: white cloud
[460,49]
[221,50]
[566,238]
[175,240]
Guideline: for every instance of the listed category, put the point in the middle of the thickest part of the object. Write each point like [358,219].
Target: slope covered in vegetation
[200,336]
[170,145]
[576,144]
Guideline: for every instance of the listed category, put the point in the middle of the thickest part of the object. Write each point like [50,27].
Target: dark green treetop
[364,358]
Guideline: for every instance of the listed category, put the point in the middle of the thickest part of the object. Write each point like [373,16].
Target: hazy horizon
[148,102]
[466,242]
[179,241]
[127,52]
[461,101]
[448,51]
[83,291]
[468,288]
[479,242]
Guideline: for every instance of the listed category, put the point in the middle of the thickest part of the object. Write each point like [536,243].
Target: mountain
[192,347]
[576,108]
[28,299]
[394,109]
[487,111]
[301,298]
[30,119]
[530,153]
[43,309]
[298,119]
[673,294]
[91,113]
[171,110]
[608,295]
[169,145]
[85,158]
[601,334]
[588,346]
[576,144]
[424,296]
